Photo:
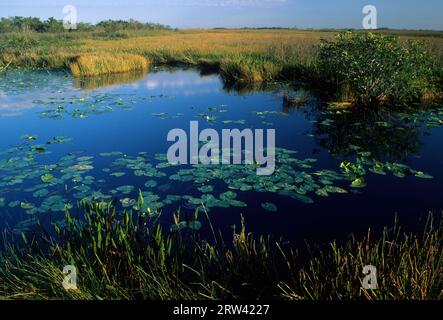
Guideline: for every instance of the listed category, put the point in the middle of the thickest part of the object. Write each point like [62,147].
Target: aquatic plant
[127,255]
[35,187]
[88,65]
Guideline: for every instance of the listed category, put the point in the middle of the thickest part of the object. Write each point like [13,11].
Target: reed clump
[94,64]
[127,255]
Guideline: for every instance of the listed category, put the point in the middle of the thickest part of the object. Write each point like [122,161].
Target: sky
[399,14]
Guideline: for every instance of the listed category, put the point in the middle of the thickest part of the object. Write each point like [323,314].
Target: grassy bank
[240,56]
[128,256]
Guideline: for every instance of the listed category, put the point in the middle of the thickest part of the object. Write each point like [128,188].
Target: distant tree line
[24,24]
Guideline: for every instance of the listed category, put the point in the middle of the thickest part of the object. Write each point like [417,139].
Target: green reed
[128,255]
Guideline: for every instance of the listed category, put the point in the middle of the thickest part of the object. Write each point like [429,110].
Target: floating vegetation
[206,189]
[47,177]
[289,179]
[269,206]
[18,82]
[192,225]
[151,184]
[125,189]
[355,171]
[127,202]
[34,179]
[264,114]
[118,174]
[93,104]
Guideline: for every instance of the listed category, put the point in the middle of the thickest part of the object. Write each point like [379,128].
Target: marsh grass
[109,80]
[241,56]
[129,256]
[89,65]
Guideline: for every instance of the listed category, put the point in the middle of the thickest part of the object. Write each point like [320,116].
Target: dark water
[106,137]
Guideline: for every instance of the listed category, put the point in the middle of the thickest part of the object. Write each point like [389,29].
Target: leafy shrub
[377,69]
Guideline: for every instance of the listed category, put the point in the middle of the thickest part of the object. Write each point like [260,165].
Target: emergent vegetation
[89,65]
[363,68]
[128,256]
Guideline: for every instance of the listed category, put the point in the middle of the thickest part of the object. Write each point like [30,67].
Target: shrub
[376,69]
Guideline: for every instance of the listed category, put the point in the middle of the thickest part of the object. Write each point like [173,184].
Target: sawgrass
[128,256]
[240,55]
[89,65]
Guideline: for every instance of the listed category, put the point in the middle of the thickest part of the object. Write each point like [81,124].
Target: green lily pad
[422,175]
[127,202]
[125,189]
[269,206]
[358,183]
[206,189]
[151,184]
[192,225]
[41,193]
[118,174]
[47,177]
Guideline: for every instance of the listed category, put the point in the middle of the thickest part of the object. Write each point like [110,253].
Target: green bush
[373,69]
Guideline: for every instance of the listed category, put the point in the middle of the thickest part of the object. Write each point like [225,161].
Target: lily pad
[206,189]
[358,183]
[151,184]
[47,177]
[269,206]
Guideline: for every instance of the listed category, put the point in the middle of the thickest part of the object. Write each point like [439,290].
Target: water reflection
[108,80]
[383,133]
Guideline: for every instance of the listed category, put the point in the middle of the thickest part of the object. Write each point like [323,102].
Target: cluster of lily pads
[356,170]
[148,182]
[94,104]
[53,187]
[430,117]
[215,115]
[16,82]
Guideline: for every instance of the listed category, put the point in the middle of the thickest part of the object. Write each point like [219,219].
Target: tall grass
[89,65]
[187,45]
[129,256]
[108,80]
[241,56]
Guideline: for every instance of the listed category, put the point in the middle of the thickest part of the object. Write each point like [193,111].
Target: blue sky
[410,14]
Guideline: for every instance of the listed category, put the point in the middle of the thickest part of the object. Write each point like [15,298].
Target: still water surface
[62,140]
